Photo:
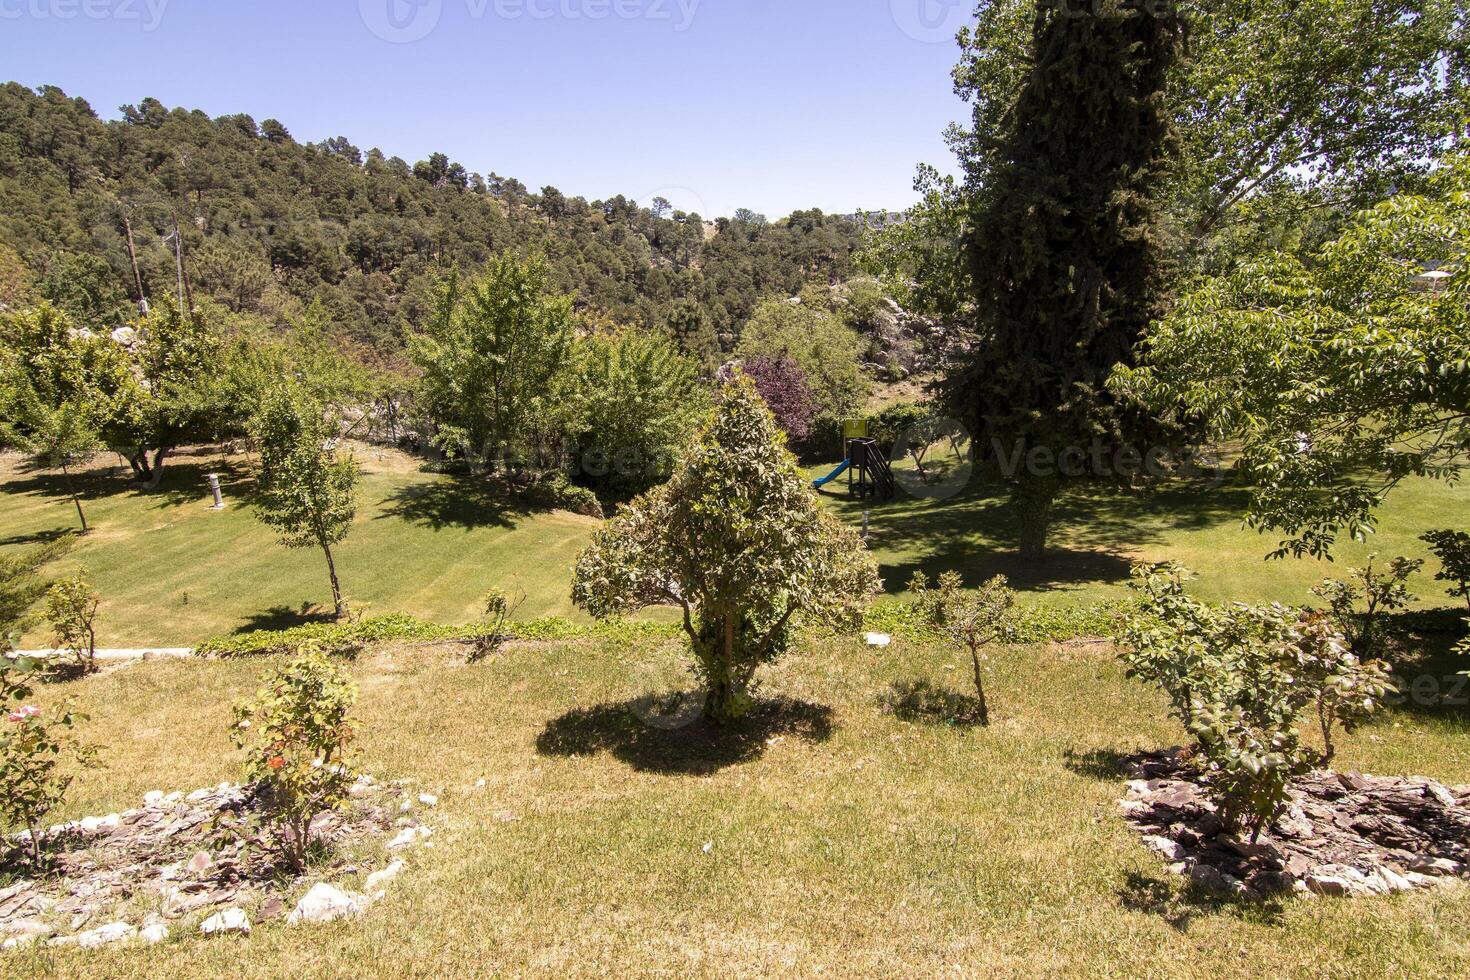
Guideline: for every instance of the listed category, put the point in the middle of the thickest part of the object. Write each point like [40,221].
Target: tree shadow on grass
[696,749]
[1102,764]
[1178,906]
[37,537]
[462,503]
[1426,669]
[284,617]
[185,481]
[925,702]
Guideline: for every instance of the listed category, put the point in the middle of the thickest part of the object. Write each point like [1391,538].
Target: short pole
[219,500]
[865,523]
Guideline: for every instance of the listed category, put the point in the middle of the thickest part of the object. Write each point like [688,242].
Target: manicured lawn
[173,573]
[829,837]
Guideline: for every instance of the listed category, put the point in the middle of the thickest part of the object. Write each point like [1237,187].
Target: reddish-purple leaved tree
[782,383]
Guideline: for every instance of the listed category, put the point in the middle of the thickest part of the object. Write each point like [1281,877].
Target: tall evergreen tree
[1066,264]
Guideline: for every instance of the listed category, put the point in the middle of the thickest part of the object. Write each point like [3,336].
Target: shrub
[1378,591]
[491,632]
[33,748]
[782,383]
[1239,679]
[739,542]
[969,620]
[1452,548]
[71,609]
[296,733]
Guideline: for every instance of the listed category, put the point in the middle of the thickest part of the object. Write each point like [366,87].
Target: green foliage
[37,749]
[296,733]
[739,543]
[1063,248]
[492,631]
[971,621]
[16,290]
[494,358]
[828,351]
[307,491]
[1239,678]
[1339,376]
[1378,590]
[1452,548]
[637,399]
[71,609]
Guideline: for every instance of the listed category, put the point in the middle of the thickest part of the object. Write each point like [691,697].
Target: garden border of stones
[1342,834]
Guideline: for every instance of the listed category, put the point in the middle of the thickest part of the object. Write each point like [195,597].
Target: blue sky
[716,104]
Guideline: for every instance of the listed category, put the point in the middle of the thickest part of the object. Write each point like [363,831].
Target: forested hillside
[271,225]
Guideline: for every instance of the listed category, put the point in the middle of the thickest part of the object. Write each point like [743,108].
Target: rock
[378,878]
[405,837]
[27,928]
[153,797]
[1294,823]
[200,863]
[1331,885]
[326,903]
[1395,881]
[428,799]
[879,641]
[153,933]
[1137,789]
[112,933]
[1435,791]
[1436,866]
[230,921]
[1353,782]
[1170,850]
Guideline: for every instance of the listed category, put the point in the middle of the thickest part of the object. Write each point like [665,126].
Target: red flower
[276,762]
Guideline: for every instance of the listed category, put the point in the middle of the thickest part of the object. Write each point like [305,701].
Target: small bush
[1379,592]
[491,633]
[1452,548]
[71,609]
[34,746]
[296,733]
[556,491]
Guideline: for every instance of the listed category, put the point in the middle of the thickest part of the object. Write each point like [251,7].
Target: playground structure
[863,460]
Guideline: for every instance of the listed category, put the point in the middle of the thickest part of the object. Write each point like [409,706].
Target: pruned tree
[738,542]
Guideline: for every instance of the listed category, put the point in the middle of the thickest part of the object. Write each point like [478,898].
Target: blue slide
[819,484]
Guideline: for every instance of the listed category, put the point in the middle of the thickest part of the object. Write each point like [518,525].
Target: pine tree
[1063,247]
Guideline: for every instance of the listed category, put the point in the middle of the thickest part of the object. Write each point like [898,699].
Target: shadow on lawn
[926,702]
[697,749]
[185,481]
[1179,905]
[284,617]
[1102,764]
[461,503]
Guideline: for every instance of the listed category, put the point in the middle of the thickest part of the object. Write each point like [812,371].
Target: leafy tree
[1339,377]
[828,352]
[494,358]
[782,383]
[16,290]
[1379,590]
[1063,249]
[740,544]
[1452,548]
[307,489]
[637,400]
[969,620]
[1345,689]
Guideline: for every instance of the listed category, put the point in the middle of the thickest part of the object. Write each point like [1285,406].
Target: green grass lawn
[174,573]
[841,839]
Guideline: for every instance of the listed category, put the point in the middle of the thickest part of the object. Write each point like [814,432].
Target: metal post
[219,500]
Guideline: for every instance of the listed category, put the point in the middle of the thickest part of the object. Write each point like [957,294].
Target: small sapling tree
[307,488]
[971,621]
[296,733]
[71,609]
[1378,590]
[493,630]
[740,544]
[1452,548]
[1345,690]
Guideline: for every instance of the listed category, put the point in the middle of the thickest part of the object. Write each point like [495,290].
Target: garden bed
[1343,834]
[135,873]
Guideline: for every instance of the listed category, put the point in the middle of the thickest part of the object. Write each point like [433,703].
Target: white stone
[428,799]
[154,934]
[1137,789]
[1444,796]
[405,837]
[879,640]
[111,933]
[1171,850]
[231,920]
[201,862]
[386,875]
[325,903]
[153,797]
[198,795]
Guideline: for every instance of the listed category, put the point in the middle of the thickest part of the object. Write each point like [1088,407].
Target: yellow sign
[855,429]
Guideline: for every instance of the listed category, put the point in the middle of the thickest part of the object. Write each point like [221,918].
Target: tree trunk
[1033,498]
[1324,717]
[155,477]
[71,489]
[982,707]
[332,574]
[719,701]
